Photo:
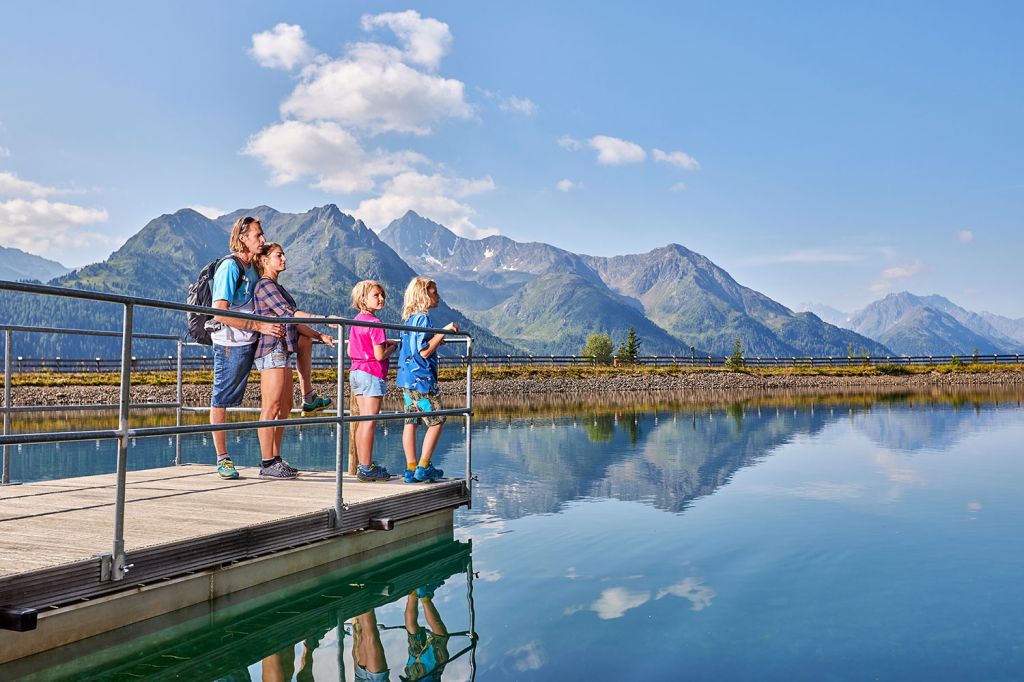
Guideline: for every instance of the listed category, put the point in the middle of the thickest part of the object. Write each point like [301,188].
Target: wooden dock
[184,522]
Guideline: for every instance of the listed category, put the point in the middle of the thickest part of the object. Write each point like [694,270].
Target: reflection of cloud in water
[527,657]
[615,601]
[899,469]
[825,491]
[692,589]
[934,427]
[974,506]
[488,576]
[480,528]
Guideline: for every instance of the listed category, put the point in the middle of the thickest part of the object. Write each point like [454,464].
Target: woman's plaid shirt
[271,299]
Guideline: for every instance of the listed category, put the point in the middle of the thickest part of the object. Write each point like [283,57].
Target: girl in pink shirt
[369,350]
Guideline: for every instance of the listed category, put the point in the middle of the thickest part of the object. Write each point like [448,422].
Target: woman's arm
[314,334]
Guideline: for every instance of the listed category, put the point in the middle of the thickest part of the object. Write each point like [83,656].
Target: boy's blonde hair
[417,300]
[259,260]
[363,289]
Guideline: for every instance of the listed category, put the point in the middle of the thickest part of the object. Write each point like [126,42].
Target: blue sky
[826,152]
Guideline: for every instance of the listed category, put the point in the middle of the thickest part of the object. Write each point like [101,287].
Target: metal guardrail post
[5,477]
[339,437]
[117,566]
[469,420]
[181,401]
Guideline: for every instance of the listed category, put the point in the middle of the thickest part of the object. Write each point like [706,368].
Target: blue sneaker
[427,591]
[317,404]
[372,473]
[410,476]
[226,469]
[428,473]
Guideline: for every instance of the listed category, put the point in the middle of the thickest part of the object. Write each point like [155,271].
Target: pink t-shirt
[361,341]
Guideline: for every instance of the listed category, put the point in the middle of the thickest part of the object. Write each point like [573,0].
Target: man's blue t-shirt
[414,371]
[226,284]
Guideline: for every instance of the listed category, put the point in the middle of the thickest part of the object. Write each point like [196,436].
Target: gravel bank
[683,382]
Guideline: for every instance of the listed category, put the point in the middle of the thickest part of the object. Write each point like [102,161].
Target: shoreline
[197,395]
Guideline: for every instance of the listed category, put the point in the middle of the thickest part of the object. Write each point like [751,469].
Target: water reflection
[384,622]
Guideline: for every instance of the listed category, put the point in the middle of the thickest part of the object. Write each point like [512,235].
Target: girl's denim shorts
[367,385]
[276,359]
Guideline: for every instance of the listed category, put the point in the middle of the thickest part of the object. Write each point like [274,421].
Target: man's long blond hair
[417,300]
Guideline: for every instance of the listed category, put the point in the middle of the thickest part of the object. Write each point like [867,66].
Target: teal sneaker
[410,476]
[372,473]
[226,469]
[318,404]
[428,473]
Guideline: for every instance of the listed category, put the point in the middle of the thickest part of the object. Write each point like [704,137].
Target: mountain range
[514,296]
[930,325]
[16,265]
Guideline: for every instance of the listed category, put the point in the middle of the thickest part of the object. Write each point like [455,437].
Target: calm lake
[817,537]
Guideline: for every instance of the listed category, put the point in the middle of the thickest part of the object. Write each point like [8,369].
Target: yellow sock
[425,463]
[411,466]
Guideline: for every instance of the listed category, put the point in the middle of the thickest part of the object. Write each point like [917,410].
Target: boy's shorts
[423,402]
[277,359]
[231,367]
[428,654]
[367,385]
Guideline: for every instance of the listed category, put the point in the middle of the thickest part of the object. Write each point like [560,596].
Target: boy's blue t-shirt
[414,371]
[226,285]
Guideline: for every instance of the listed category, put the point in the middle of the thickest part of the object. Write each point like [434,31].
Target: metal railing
[204,362]
[114,565]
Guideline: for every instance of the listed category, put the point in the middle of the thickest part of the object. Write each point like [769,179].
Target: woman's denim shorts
[367,385]
[276,359]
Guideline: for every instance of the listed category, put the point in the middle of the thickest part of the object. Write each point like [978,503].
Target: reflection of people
[273,359]
[367,651]
[428,649]
[280,665]
[417,377]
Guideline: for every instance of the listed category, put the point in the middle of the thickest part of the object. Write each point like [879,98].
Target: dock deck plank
[50,523]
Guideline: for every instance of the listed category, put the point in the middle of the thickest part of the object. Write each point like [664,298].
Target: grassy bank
[534,372]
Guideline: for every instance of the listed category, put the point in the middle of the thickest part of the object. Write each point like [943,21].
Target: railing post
[5,477]
[181,401]
[469,421]
[118,569]
[339,435]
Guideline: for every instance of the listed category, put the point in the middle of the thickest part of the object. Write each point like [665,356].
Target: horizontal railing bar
[84,332]
[47,290]
[57,437]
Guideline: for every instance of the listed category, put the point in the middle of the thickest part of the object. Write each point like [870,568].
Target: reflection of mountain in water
[665,458]
[911,428]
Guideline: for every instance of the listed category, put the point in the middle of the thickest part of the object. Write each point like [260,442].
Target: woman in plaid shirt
[273,358]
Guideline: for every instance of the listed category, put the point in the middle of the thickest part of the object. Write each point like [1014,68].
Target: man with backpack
[234,340]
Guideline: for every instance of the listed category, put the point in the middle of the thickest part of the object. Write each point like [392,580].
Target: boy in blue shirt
[417,377]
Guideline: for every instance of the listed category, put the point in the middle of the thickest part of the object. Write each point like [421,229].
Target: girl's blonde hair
[362,290]
[259,261]
[417,300]
[240,228]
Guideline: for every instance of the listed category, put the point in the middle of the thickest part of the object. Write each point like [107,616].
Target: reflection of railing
[114,564]
[205,362]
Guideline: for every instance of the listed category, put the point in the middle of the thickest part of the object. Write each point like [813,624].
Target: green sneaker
[318,404]
[226,469]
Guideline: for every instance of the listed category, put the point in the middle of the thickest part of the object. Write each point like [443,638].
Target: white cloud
[965,236]
[327,153]
[282,47]
[614,602]
[518,105]
[527,657]
[570,143]
[424,41]
[678,187]
[693,590]
[612,151]
[567,185]
[51,228]
[892,274]
[432,196]
[210,212]
[13,186]
[680,159]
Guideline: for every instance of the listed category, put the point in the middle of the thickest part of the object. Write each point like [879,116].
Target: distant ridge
[16,265]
